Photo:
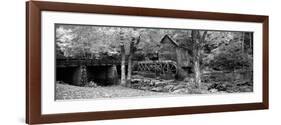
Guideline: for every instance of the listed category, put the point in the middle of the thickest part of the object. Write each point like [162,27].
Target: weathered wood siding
[183,57]
[167,50]
[171,51]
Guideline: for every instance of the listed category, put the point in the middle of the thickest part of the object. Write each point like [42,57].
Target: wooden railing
[86,62]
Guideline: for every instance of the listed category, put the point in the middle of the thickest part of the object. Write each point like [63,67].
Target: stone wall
[82,75]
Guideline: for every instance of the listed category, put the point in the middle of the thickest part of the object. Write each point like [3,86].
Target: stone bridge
[106,72]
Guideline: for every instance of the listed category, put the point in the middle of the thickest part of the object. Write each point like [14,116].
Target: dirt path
[64,92]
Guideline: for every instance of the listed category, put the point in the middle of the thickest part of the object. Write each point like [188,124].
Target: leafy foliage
[231,58]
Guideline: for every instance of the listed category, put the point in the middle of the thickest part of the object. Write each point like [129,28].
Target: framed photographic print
[94,62]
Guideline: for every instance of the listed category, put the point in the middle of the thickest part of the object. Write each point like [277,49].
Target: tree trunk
[123,66]
[251,42]
[242,47]
[197,74]
[242,42]
[196,64]
[197,44]
[129,75]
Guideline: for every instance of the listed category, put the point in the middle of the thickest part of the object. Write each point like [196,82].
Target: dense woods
[212,59]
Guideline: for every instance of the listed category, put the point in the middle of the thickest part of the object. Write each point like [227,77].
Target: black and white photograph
[101,62]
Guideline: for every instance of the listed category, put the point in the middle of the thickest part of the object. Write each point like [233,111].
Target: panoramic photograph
[96,62]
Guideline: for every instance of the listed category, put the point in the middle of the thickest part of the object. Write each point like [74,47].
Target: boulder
[218,86]
[169,87]
[203,91]
[91,84]
[157,89]
[213,90]
[144,88]
[182,90]
[179,86]
[159,83]
[189,80]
